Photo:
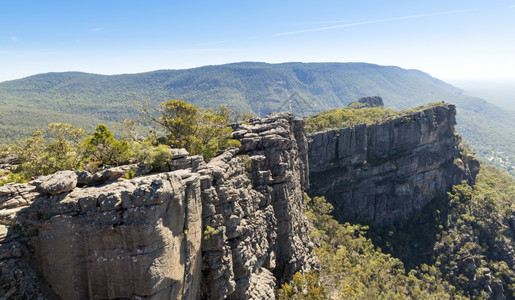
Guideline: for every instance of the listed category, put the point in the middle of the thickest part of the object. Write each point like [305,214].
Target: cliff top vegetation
[348,117]
[178,124]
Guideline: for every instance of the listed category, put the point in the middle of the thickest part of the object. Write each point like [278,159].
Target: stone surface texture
[253,204]
[233,228]
[133,239]
[385,172]
[367,102]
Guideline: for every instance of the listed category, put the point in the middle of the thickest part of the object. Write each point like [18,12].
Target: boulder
[367,102]
[59,182]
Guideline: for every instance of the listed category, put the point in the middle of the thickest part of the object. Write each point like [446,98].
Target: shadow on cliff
[413,241]
[18,276]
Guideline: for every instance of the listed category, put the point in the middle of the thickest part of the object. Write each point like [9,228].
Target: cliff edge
[233,228]
[385,172]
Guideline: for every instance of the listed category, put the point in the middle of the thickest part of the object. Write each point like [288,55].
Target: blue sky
[447,39]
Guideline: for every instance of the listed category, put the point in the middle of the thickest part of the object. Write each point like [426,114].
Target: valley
[254,88]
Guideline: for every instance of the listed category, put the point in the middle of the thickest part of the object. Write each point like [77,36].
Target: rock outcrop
[385,172]
[233,228]
[132,239]
[7,164]
[367,102]
[253,204]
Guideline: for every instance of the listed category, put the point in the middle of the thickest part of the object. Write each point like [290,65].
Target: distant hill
[257,88]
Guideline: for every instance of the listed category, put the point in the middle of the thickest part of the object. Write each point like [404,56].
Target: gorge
[231,228]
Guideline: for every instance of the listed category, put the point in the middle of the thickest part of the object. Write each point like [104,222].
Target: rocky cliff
[385,172]
[233,228]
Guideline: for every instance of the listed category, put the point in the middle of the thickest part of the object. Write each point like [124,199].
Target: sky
[445,38]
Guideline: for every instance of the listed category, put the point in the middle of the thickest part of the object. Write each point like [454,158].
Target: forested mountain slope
[255,88]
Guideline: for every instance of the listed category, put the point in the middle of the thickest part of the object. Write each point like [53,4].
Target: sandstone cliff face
[385,172]
[254,201]
[133,239]
[232,228]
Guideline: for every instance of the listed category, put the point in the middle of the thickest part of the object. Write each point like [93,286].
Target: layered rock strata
[234,228]
[133,239]
[253,207]
[385,172]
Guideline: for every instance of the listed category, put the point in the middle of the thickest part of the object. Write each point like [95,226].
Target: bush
[46,152]
[103,147]
[199,131]
[155,156]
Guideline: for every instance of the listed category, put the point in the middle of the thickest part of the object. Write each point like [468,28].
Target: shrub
[56,148]
[102,146]
[201,132]
[210,232]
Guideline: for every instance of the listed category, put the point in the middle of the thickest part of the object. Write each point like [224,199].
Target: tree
[102,146]
[201,132]
[58,147]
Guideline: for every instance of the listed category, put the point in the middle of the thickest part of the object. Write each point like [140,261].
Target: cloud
[98,29]
[199,50]
[14,38]
[214,43]
[374,22]
[324,22]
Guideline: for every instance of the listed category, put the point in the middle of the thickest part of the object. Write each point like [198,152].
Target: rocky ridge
[367,102]
[385,172]
[233,228]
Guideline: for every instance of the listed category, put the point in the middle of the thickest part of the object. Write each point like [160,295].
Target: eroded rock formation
[385,172]
[234,228]
[131,239]
[367,102]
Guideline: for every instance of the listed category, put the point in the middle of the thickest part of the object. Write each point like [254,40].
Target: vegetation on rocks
[199,131]
[103,147]
[352,267]
[468,235]
[458,247]
[58,147]
[66,147]
[348,117]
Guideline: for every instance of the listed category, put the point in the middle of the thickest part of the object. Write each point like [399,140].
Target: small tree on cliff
[104,147]
[201,132]
[58,147]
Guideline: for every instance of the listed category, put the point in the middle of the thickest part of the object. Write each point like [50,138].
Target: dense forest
[254,88]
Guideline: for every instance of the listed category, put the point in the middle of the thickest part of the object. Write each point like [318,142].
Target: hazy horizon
[500,91]
[458,39]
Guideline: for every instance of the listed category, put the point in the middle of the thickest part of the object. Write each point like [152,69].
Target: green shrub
[102,146]
[59,147]
[210,232]
[129,174]
[157,157]
[199,131]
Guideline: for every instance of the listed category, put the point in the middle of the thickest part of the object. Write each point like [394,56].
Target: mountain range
[256,88]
